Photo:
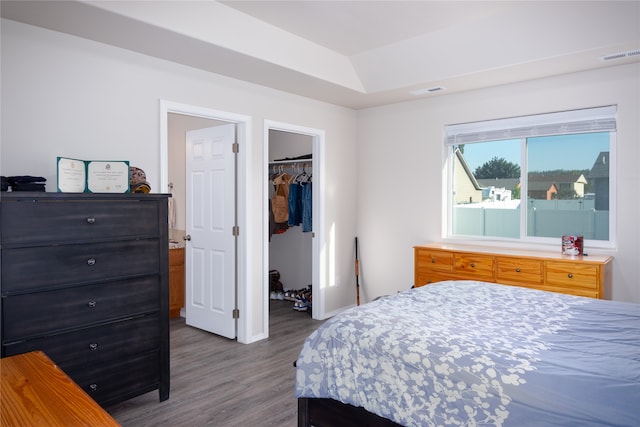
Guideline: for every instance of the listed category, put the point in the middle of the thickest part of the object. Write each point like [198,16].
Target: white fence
[545,218]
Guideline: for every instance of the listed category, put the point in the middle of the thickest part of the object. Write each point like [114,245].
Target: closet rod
[284,162]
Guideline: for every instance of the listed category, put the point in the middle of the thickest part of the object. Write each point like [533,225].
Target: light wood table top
[36,392]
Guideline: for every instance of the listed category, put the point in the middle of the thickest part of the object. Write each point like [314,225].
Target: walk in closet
[290,219]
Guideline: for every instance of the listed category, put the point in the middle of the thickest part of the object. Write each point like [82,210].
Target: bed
[473,354]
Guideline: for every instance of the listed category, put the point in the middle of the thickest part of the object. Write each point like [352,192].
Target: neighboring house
[466,188]
[542,190]
[502,188]
[494,194]
[599,177]
[558,184]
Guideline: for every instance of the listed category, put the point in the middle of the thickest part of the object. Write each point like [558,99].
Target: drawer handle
[570,276]
[517,270]
[93,346]
[93,387]
[433,260]
[473,265]
[91,220]
[91,304]
[91,261]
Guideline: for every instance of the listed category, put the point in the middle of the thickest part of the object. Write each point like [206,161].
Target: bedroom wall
[67,96]
[400,168]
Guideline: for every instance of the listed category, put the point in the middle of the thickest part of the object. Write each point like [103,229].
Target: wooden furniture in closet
[85,279]
[588,276]
[176,281]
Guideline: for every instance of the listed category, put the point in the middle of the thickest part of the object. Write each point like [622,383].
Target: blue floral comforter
[479,354]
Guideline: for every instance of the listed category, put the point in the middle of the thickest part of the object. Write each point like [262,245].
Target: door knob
[187,237]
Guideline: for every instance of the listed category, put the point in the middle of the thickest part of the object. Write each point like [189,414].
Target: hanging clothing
[290,203]
[295,204]
[280,201]
[307,208]
[275,227]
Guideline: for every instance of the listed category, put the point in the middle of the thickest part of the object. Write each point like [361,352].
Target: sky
[567,152]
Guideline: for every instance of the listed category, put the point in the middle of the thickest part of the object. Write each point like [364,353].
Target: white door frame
[243,132]
[319,255]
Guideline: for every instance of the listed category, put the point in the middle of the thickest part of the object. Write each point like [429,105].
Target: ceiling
[358,53]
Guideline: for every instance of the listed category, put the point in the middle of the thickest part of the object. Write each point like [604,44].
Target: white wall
[400,168]
[63,95]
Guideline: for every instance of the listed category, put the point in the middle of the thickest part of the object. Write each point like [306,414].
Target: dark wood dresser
[85,279]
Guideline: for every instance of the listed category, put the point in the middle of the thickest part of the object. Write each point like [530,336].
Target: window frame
[588,120]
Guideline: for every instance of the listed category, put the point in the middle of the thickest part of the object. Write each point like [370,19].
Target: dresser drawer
[95,345]
[572,275]
[120,379]
[41,267]
[427,278]
[52,221]
[433,260]
[472,266]
[40,312]
[519,270]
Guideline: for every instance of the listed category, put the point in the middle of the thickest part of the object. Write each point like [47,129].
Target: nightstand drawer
[519,270]
[39,312]
[471,266]
[571,275]
[55,221]
[42,267]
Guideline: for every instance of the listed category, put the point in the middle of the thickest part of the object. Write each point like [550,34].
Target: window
[534,178]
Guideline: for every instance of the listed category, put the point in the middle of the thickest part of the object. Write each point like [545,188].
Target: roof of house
[541,186]
[557,178]
[508,183]
[467,170]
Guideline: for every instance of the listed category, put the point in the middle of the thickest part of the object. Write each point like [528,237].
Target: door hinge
[235,147]
[236,230]
[236,313]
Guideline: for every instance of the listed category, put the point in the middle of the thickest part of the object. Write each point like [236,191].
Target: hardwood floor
[218,382]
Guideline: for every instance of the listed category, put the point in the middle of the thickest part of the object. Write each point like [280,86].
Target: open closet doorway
[294,211]
[176,121]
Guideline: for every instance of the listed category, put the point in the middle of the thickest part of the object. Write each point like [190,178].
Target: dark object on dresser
[85,279]
[26,183]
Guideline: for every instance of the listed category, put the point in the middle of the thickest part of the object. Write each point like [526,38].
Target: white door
[210,295]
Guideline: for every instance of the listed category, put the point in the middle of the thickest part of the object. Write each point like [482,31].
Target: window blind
[599,119]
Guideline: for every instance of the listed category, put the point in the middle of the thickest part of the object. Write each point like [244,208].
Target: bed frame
[331,413]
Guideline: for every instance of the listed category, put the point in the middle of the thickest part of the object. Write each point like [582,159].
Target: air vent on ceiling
[428,90]
[620,55]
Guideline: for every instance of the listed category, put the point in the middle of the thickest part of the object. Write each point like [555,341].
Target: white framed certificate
[107,176]
[72,175]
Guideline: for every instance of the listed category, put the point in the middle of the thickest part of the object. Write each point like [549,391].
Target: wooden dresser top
[551,255]
[35,392]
